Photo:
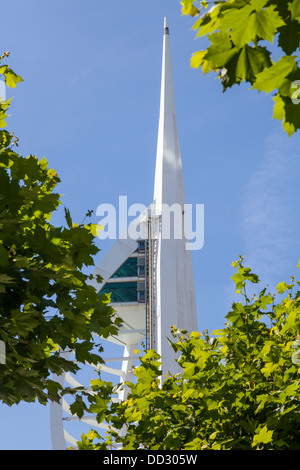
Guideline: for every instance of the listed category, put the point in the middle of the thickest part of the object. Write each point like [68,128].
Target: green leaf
[289,36]
[244,64]
[236,316]
[94,229]
[78,407]
[5,279]
[188,8]
[93,434]
[10,77]
[197,59]
[22,322]
[281,287]
[239,280]
[209,22]
[250,63]
[100,407]
[288,112]
[265,300]
[3,256]
[268,369]
[291,320]
[68,218]
[263,437]
[275,77]
[250,22]
[220,51]
[294,8]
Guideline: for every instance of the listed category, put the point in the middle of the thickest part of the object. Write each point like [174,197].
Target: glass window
[120,291]
[141,244]
[128,268]
[141,270]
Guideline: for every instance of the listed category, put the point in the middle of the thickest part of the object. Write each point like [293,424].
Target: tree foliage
[238,389]
[46,301]
[256,41]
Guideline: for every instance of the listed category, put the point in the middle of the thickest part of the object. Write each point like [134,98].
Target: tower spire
[168,187]
[166,26]
[175,292]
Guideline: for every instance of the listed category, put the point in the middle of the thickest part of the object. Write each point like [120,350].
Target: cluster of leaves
[242,36]
[47,303]
[239,387]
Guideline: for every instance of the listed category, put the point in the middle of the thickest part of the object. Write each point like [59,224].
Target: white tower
[175,292]
[150,278]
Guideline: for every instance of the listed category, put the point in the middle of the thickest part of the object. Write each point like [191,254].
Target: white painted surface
[175,292]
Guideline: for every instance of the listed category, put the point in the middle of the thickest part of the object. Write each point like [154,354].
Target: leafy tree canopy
[239,388]
[256,41]
[46,302]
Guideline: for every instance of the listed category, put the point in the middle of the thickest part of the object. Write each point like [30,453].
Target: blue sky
[89,103]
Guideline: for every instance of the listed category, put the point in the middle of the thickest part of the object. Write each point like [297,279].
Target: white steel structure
[151,278]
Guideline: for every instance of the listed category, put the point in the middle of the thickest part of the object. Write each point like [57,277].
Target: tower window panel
[127,269]
[141,296]
[141,271]
[120,291]
[141,246]
[141,261]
